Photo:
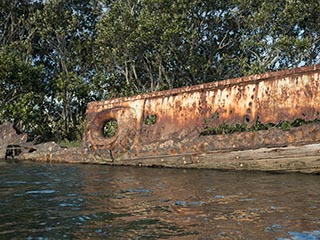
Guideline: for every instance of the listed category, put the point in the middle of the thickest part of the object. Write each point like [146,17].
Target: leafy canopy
[56,56]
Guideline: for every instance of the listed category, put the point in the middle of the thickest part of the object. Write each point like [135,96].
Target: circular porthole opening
[110,128]
[151,119]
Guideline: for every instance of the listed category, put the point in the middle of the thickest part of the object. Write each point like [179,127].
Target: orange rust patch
[180,115]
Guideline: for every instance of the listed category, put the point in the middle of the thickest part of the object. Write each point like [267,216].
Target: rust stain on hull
[181,113]
[167,128]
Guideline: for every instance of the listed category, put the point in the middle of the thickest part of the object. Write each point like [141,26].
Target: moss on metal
[225,128]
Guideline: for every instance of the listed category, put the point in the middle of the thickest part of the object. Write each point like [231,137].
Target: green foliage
[225,128]
[155,45]
[56,56]
[151,119]
[278,34]
[110,128]
[67,143]
[21,92]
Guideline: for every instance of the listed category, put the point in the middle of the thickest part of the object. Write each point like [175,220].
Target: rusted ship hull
[181,116]
[230,124]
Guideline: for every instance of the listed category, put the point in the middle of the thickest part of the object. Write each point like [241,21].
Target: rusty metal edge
[210,85]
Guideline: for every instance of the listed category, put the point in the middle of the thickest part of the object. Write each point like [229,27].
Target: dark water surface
[59,201]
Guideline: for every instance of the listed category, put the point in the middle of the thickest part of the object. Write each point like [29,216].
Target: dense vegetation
[57,55]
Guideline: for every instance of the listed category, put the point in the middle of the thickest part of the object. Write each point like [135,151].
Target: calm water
[58,201]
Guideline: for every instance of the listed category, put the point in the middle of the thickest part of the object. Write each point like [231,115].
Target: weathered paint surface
[181,114]
[163,128]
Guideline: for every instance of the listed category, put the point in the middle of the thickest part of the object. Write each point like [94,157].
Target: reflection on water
[45,201]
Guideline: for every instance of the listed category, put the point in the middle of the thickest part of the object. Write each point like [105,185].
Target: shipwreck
[268,122]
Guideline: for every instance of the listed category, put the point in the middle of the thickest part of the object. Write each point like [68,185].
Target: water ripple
[45,191]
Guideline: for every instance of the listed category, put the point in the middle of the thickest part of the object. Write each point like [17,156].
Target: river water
[61,201]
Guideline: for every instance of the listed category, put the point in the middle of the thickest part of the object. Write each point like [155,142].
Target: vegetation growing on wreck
[225,128]
[151,119]
[67,143]
[110,128]
[56,56]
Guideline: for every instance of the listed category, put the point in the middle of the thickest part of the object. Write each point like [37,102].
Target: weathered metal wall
[181,113]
